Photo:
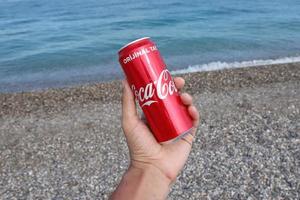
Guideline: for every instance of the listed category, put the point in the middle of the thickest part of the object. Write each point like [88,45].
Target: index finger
[179,82]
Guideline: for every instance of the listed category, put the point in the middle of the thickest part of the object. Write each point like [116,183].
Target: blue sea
[56,43]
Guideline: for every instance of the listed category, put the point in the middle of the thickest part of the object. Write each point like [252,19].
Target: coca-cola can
[155,90]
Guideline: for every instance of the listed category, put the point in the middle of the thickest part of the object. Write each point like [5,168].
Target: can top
[133,42]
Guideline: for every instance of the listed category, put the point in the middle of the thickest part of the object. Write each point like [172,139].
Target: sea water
[58,43]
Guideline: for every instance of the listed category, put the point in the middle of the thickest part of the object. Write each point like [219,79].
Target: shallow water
[58,43]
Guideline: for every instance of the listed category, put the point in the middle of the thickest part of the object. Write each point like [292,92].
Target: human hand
[145,151]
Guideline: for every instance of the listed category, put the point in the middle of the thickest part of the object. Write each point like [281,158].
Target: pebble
[68,143]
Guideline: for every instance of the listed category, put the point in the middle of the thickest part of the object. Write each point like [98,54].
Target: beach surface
[68,143]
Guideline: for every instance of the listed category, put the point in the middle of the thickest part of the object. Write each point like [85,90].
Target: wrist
[143,181]
[149,170]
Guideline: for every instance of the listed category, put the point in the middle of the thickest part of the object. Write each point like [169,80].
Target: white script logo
[163,87]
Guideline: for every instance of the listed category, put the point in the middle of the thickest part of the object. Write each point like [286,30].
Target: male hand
[145,151]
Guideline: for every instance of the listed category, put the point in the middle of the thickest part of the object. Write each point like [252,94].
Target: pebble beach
[68,143]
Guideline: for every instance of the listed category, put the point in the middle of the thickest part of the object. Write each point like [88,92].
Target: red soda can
[154,89]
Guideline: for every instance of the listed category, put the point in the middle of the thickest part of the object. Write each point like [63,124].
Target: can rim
[134,41]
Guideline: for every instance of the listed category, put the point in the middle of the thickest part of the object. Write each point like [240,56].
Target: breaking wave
[218,65]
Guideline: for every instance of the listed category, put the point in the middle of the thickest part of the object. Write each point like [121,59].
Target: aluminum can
[154,89]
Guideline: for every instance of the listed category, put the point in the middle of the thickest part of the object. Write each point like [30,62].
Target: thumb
[129,112]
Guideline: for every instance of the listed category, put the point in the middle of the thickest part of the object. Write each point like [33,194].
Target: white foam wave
[224,65]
